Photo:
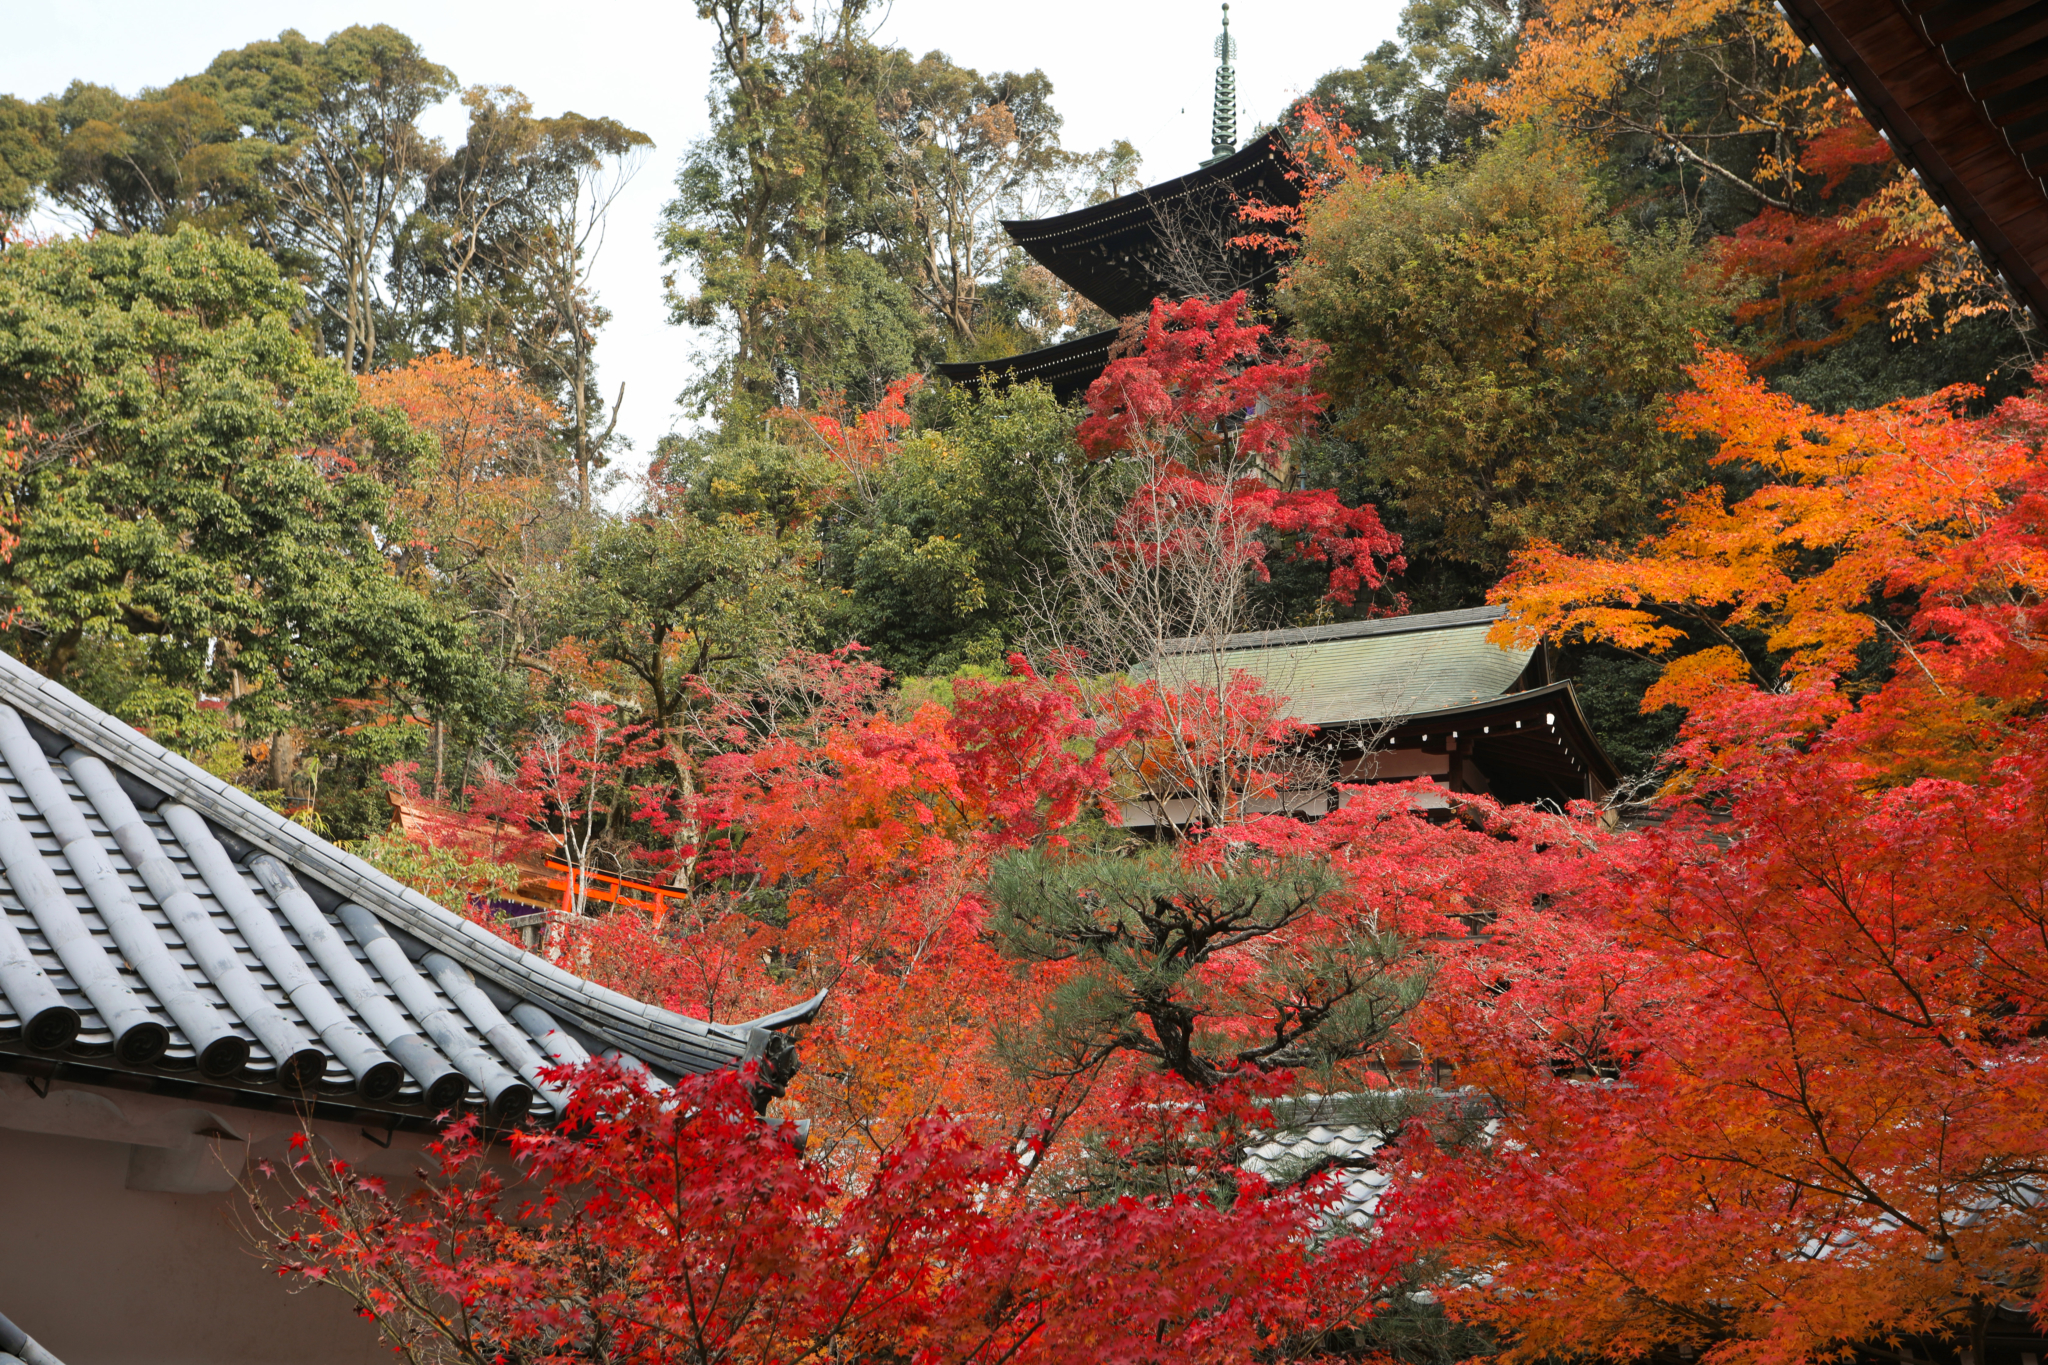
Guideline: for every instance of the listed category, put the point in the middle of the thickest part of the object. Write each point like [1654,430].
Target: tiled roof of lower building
[161,928]
[1365,670]
[1342,1134]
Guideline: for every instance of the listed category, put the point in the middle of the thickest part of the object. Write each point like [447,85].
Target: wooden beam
[1905,84]
[2012,42]
[2030,70]
[1956,20]
[2036,103]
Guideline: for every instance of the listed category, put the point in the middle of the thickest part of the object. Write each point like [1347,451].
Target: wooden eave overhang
[1542,731]
[1960,89]
[1109,252]
[1067,369]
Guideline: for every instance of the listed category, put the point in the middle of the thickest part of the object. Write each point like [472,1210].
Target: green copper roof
[1370,670]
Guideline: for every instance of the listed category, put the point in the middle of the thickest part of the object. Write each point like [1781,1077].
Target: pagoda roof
[1118,255]
[1960,89]
[1114,254]
[162,930]
[1067,368]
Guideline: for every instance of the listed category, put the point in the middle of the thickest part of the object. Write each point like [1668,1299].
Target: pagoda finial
[1223,120]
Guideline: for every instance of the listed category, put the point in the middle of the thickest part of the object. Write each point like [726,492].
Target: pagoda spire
[1223,119]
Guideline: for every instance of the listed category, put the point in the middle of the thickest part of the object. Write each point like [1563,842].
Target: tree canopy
[185,474]
[1158,1024]
[1501,350]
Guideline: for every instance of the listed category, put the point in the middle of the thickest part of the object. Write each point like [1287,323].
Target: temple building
[1171,240]
[187,980]
[1401,697]
[1391,699]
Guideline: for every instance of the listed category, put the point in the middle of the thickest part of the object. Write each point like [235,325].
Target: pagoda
[1171,240]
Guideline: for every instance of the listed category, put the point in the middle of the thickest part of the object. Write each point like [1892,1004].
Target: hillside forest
[1617,314]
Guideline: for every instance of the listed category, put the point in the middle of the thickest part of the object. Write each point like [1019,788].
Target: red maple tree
[663,1224]
[1768,1081]
[1211,408]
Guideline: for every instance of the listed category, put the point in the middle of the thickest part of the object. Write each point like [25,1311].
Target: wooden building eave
[1521,739]
[1067,368]
[1961,91]
[1109,252]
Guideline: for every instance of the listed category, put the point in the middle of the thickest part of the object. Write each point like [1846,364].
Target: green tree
[168,156]
[457,263]
[715,574]
[175,484]
[344,163]
[1500,348]
[965,152]
[1218,971]
[496,260]
[788,178]
[26,161]
[942,551]
[1403,100]
[581,166]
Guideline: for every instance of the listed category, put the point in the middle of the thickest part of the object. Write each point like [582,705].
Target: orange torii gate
[614,891]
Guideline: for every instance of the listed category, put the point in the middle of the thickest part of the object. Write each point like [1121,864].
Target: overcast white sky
[1137,69]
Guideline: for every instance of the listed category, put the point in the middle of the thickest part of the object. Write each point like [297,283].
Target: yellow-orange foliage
[1575,62]
[477,504]
[1579,65]
[1909,529]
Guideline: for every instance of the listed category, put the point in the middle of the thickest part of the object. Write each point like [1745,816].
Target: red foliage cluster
[1325,155]
[1213,410]
[1769,1099]
[1208,376]
[657,1225]
[857,440]
[1769,1085]
[1848,263]
[1762,1082]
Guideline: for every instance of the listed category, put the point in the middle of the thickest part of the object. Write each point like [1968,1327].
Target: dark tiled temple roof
[160,928]
[1112,253]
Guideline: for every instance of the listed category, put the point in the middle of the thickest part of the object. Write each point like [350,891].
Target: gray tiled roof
[1343,1133]
[1369,670]
[1347,1147]
[160,927]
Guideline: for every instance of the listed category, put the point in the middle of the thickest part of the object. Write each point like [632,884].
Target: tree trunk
[282,760]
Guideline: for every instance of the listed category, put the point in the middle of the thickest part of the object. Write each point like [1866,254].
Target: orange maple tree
[1768,1084]
[1909,536]
[1726,91]
[476,501]
[1766,1090]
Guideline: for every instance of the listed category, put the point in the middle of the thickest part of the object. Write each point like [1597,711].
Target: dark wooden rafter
[1960,88]
[1525,741]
